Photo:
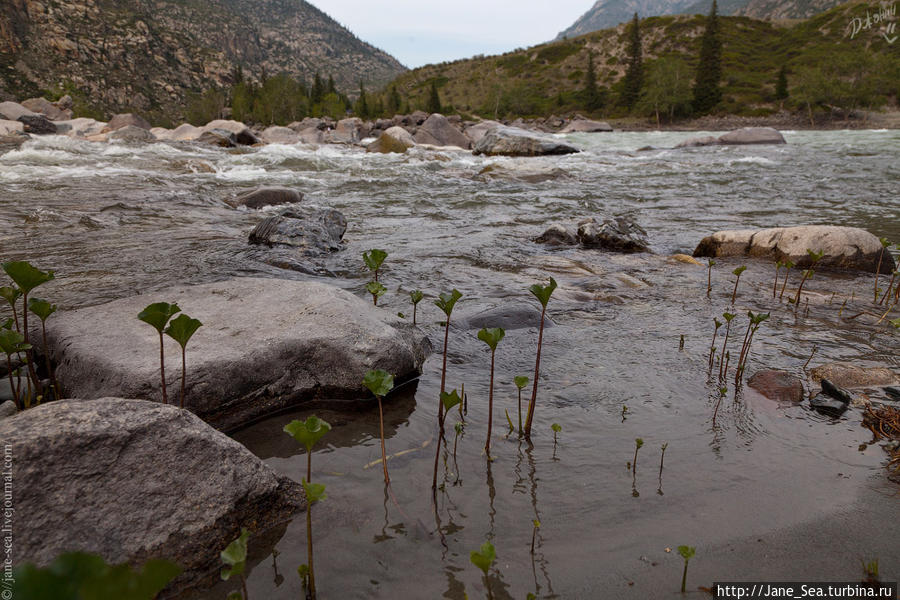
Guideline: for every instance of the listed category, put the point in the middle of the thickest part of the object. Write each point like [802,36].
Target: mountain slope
[148,55]
[609,13]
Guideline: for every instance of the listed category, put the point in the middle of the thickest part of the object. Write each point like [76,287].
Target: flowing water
[115,220]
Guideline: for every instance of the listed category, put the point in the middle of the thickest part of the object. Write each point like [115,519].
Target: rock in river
[586,126]
[133,480]
[438,131]
[508,316]
[394,139]
[619,234]
[267,196]
[777,385]
[512,141]
[847,248]
[313,231]
[265,344]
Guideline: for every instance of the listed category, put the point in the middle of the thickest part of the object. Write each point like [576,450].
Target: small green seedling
[624,412]
[303,573]
[13,342]
[710,265]
[43,309]
[491,337]
[81,576]
[885,244]
[737,272]
[449,400]
[509,422]
[446,301]
[521,381]
[157,315]
[687,553]
[712,346]
[235,558]
[662,458]
[728,318]
[27,278]
[377,290]
[537,525]
[380,383]
[181,329]
[788,266]
[415,296]
[638,442]
[755,321]
[895,323]
[556,427]
[542,293]
[12,295]
[870,569]
[814,257]
[485,558]
[374,259]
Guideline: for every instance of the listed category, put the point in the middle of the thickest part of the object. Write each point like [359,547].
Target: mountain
[776,10]
[609,13]
[150,55]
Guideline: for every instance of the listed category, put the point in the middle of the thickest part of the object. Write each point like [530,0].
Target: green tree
[434,100]
[318,90]
[205,107]
[634,73]
[707,93]
[593,100]
[667,90]
[393,101]
[331,89]
[362,103]
[781,85]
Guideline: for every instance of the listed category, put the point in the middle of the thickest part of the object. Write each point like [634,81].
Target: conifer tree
[634,74]
[707,93]
[434,100]
[331,88]
[318,90]
[592,98]
[781,85]
[362,103]
[393,101]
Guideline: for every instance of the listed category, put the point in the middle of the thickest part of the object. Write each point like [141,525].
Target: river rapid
[116,220]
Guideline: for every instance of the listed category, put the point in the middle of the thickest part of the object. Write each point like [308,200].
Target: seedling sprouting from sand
[380,383]
[728,318]
[446,301]
[180,329]
[687,553]
[373,259]
[638,442]
[808,273]
[415,296]
[308,433]
[885,244]
[542,293]
[681,343]
[157,315]
[712,346]
[556,427]
[377,290]
[484,560]
[737,272]
[624,413]
[235,558]
[870,569]
[788,266]
[521,381]
[13,342]
[537,525]
[448,400]
[43,309]
[755,321]
[709,267]
[491,337]
[27,277]
[662,458]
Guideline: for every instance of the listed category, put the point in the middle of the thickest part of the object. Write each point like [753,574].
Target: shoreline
[782,121]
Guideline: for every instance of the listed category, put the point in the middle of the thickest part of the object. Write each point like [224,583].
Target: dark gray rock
[752,135]
[438,131]
[313,231]
[847,248]
[37,124]
[132,134]
[8,407]
[557,235]
[832,400]
[218,137]
[267,196]
[509,316]
[133,480]
[848,375]
[619,234]
[265,345]
[127,120]
[512,141]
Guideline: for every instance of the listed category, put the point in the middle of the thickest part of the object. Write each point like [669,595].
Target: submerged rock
[512,141]
[619,234]
[265,345]
[777,385]
[132,480]
[848,248]
[586,126]
[267,196]
[695,142]
[81,127]
[394,139]
[313,231]
[752,135]
[557,235]
[519,172]
[509,317]
[853,376]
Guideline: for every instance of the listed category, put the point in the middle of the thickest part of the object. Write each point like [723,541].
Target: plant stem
[443,375]
[28,353]
[813,353]
[784,285]
[162,368]
[537,370]
[684,577]
[437,454]
[533,535]
[387,480]
[414,312]
[634,462]
[244,587]
[520,411]
[775,287]
[12,384]
[53,382]
[890,287]
[708,280]
[487,444]
[800,289]
[183,374]
[712,348]
[311,590]
[744,347]
[878,272]
[734,293]
[724,345]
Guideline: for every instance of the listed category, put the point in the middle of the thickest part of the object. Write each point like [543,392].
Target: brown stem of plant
[634,462]
[722,353]
[744,348]
[12,384]
[183,374]
[162,368]
[414,313]
[890,288]
[387,479]
[487,444]
[520,411]
[775,287]
[533,535]
[784,285]
[244,588]
[708,280]
[878,272]
[813,353]
[887,312]
[437,454]
[742,364]
[311,591]
[443,376]
[537,371]
[50,372]
[734,293]
[28,353]
[712,348]
[800,289]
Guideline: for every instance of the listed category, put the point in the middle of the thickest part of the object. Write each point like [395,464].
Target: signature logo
[885,20]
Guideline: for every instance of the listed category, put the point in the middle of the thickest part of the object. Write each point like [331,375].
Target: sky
[418,32]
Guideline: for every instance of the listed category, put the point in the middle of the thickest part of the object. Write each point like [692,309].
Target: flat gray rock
[265,345]
[312,231]
[752,135]
[512,141]
[133,480]
[847,248]
[509,316]
[586,126]
[438,131]
[266,196]
[132,134]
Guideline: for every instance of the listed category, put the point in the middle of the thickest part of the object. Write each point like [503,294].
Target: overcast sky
[417,32]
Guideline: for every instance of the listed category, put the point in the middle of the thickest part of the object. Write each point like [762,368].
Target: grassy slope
[544,79]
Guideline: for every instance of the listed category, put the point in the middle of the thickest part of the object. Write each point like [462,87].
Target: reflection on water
[116,220]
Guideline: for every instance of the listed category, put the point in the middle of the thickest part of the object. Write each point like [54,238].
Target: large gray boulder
[347,131]
[241,134]
[11,111]
[133,480]
[752,135]
[127,120]
[512,141]
[11,127]
[311,230]
[479,130]
[265,345]
[586,126]
[266,196]
[279,135]
[81,127]
[131,134]
[217,137]
[846,248]
[394,139]
[185,133]
[438,131]
[47,108]
[618,234]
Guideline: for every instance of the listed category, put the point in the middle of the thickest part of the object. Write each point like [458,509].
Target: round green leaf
[373,258]
[308,432]
[41,308]
[543,292]
[25,275]
[181,328]
[158,314]
[446,301]
[492,336]
[379,382]
[521,381]
[450,399]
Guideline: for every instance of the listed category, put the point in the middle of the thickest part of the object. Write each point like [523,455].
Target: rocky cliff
[149,55]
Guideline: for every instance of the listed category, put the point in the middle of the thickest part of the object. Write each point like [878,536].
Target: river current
[115,220]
